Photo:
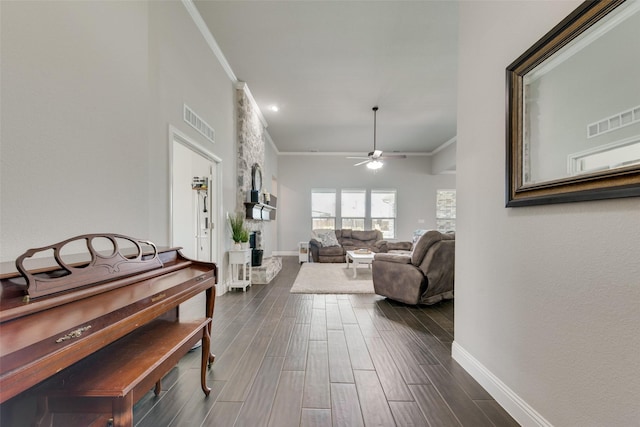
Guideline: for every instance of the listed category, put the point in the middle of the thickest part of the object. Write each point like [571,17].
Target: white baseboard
[285,253]
[520,410]
[222,288]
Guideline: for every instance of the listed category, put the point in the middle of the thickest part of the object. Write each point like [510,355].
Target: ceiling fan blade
[358,158]
[376,154]
[394,156]
[362,163]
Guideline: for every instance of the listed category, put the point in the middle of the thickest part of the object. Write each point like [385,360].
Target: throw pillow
[315,234]
[326,238]
[416,236]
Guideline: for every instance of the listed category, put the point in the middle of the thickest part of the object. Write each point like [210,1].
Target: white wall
[270,236]
[74,122]
[547,297]
[89,90]
[183,70]
[444,161]
[416,197]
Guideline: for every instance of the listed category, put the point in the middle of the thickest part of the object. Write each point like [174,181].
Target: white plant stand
[303,252]
[240,259]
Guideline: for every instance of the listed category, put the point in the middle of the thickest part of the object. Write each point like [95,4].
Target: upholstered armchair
[423,276]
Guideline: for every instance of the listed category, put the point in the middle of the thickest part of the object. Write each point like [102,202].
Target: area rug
[330,278]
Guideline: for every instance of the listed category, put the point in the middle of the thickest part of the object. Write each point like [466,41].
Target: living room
[546,297]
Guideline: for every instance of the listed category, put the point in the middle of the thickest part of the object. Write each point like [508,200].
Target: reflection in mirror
[581,106]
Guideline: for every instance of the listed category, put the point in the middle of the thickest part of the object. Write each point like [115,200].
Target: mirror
[256,178]
[573,109]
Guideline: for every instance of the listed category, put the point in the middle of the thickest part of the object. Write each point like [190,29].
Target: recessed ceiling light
[274,108]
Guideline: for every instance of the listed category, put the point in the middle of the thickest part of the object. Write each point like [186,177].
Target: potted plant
[239,234]
[244,238]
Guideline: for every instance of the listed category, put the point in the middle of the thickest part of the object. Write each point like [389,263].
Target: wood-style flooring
[287,359]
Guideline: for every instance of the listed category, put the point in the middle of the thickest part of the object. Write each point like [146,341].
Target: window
[353,213]
[323,209]
[383,212]
[446,210]
[352,208]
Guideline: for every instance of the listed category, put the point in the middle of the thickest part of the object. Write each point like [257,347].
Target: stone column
[251,145]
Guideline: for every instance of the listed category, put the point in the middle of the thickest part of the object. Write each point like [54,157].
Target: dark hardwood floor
[287,359]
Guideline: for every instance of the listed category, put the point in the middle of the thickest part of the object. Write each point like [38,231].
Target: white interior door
[194,213]
[191,209]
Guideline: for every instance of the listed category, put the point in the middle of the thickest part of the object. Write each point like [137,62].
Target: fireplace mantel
[260,211]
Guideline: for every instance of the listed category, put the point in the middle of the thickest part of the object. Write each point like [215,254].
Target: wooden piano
[64,330]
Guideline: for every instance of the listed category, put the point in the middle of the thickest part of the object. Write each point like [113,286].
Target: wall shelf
[260,211]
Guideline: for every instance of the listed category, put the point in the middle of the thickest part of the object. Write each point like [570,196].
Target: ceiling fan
[373,158]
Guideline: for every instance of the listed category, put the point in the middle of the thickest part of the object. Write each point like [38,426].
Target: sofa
[399,247]
[332,245]
[425,275]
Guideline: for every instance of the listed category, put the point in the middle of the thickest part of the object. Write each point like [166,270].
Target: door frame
[175,135]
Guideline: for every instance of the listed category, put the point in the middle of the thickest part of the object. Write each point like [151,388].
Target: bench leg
[205,359]
[158,388]
[122,408]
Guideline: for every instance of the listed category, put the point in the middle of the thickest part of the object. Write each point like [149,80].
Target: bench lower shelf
[113,379]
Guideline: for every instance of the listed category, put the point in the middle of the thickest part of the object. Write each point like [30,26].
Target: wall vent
[614,122]
[198,124]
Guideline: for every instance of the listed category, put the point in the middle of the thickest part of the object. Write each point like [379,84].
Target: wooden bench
[109,382]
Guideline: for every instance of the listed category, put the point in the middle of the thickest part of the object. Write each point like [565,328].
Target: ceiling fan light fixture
[373,157]
[375,164]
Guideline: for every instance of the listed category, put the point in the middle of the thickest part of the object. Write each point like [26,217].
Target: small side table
[237,259]
[303,252]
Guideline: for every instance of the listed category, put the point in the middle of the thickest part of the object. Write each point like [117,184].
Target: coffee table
[358,258]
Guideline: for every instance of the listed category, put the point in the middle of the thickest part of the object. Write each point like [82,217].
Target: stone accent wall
[251,143]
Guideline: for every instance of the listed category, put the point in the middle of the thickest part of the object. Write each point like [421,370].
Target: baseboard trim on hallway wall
[520,410]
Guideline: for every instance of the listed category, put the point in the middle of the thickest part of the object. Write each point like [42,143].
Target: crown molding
[345,153]
[342,153]
[217,52]
[445,145]
[244,87]
[208,37]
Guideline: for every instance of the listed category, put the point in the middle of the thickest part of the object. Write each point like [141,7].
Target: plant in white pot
[244,238]
[239,234]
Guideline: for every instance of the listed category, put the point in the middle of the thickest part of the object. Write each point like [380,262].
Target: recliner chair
[424,276]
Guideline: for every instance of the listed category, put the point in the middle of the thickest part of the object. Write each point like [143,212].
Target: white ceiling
[325,64]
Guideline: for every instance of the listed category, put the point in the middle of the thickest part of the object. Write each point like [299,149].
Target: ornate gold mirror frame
[557,115]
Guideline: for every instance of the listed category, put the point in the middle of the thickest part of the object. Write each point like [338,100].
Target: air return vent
[198,124]
[615,122]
